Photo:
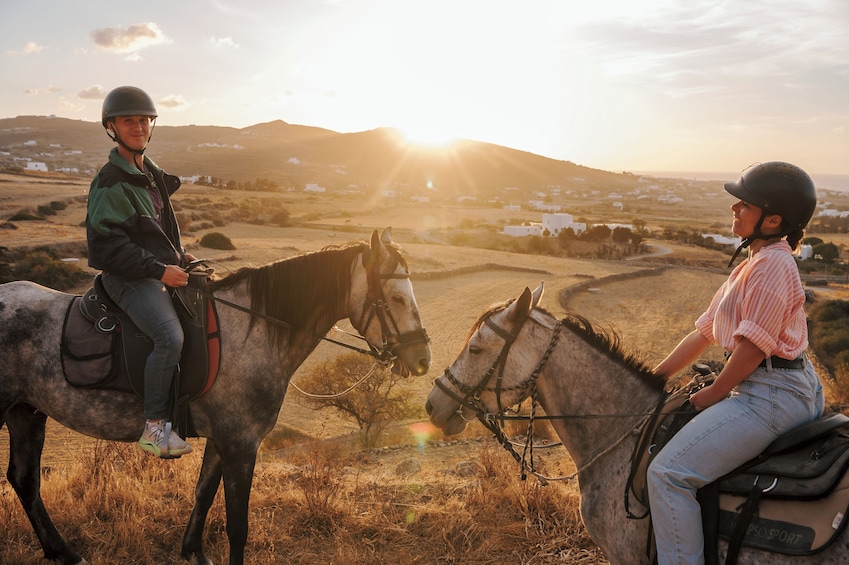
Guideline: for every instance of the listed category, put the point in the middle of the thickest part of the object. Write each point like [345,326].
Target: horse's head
[383,307]
[491,371]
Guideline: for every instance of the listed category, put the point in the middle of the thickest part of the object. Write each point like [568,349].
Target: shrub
[57,205]
[44,268]
[370,397]
[216,240]
[24,217]
[45,210]
[280,218]
[829,337]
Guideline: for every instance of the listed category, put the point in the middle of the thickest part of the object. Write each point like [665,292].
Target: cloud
[71,105]
[221,42]
[93,92]
[129,39]
[28,49]
[174,102]
[50,89]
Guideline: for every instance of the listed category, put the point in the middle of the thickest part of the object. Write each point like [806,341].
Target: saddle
[102,348]
[790,499]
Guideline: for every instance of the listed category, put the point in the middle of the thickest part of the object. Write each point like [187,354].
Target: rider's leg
[149,304]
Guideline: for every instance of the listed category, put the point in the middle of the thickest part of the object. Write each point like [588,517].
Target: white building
[520,231]
[555,223]
[312,187]
[552,223]
[722,239]
[37,166]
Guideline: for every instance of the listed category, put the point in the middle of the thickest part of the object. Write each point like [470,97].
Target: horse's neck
[294,347]
[603,402]
[601,398]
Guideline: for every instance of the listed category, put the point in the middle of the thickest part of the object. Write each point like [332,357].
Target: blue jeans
[148,303]
[717,441]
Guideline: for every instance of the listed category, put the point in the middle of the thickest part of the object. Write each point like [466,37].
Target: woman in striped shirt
[768,386]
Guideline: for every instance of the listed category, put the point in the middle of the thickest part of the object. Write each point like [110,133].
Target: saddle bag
[791,499]
[90,350]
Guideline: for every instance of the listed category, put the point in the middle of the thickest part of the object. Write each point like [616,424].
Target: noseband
[471,398]
[376,306]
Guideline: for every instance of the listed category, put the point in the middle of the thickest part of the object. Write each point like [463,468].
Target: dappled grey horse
[285,309]
[596,396]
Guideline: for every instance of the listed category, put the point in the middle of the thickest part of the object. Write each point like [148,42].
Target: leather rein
[375,306]
[495,422]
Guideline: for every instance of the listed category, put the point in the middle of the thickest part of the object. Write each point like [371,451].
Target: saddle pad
[793,527]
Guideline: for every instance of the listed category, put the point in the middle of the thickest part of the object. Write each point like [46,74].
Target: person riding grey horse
[768,385]
[133,237]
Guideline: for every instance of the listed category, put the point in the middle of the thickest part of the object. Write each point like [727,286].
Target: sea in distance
[839,183]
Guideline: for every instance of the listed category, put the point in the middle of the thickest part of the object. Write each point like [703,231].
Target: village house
[551,223]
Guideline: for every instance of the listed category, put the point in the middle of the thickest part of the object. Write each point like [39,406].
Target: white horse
[580,373]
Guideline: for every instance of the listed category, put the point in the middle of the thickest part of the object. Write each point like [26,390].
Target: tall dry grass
[119,505]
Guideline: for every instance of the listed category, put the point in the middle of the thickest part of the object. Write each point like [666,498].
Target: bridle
[471,398]
[377,307]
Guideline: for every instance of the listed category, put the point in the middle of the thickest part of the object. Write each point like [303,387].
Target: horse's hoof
[196,559]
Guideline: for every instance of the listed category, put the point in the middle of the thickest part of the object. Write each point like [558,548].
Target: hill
[294,155]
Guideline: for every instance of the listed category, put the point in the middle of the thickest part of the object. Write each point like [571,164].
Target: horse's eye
[474,349]
[398,299]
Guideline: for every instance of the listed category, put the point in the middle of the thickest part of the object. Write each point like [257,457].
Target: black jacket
[124,237]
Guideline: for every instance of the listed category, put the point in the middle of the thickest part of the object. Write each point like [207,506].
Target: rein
[282,323]
[495,422]
[375,306]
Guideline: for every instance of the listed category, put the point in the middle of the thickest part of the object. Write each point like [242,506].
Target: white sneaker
[158,438]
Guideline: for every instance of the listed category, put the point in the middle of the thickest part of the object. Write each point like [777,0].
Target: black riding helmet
[777,188]
[127,101]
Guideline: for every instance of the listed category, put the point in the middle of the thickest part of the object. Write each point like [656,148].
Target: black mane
[292,290]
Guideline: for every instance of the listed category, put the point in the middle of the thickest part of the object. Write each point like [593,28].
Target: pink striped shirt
[763,301]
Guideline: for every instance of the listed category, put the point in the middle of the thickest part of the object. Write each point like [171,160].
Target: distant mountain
[294,155]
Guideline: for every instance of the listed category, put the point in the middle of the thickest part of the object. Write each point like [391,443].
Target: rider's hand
[174,276]
[706,397]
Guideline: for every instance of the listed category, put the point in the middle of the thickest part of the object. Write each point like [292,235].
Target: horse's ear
[386,236]
[375,248]
[521,307]
[537,294]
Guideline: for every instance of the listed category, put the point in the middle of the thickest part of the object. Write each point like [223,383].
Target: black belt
[780,363]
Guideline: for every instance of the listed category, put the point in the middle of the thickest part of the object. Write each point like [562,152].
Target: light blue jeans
[717,441]
[148,303]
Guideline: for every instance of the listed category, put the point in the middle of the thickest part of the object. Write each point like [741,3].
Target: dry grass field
[100,494]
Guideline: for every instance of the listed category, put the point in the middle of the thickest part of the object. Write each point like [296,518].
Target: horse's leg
[238,466]
[237,469]
[26,441]
[207,486]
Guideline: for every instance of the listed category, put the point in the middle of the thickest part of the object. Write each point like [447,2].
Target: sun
[427,136]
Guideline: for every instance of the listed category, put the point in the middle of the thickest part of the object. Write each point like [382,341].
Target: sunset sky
[673,85]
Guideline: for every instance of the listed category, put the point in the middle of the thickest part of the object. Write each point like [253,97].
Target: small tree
[827,251]
[372,403]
